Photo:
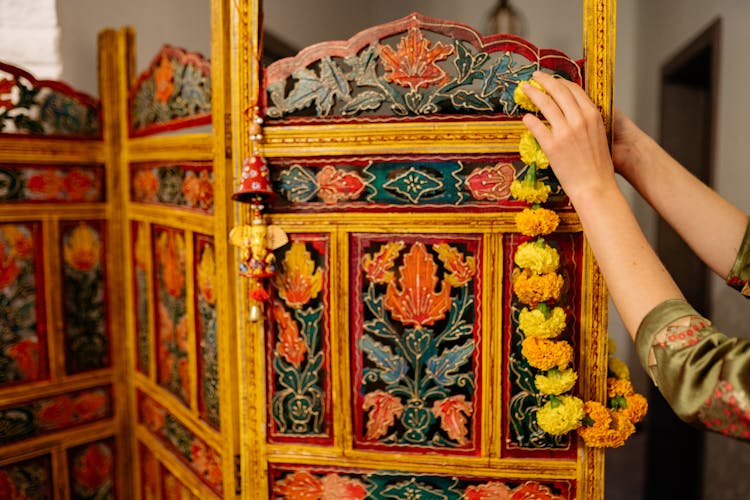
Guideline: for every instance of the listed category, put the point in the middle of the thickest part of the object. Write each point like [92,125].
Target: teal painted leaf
[392,367]
[288,375]
[297,184]
[413,489]
[369,100]
[443,368]
[364,68]
[311,373]
[417,342]
[469,100]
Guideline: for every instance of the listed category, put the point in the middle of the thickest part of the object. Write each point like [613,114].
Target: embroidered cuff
[740,273]
[656,321]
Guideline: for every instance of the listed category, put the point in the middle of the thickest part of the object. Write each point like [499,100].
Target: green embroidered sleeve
[740,274]
[703,374]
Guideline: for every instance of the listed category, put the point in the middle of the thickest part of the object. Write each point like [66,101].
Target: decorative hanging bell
[255,181]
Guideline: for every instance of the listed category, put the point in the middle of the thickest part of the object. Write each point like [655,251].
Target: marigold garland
[537,256]
[556,381]
[532,289]
[537,221]
[560,415]
[547,354]
[541,322]
[522,99]
[603,428]
[530,192]
[531,151]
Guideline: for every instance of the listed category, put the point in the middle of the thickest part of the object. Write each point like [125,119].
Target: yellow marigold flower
[619,387]
[537,221]
[536,193]
[522,99]
[534,288]
[547,354]
[560,415]
[556,381]
[537,256]
[611,347]
[603,428]
[531,151]
[636,408]
[618,368]
[536,323]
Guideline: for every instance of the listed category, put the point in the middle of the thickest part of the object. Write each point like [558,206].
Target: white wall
[29,36]
[665,27]
[184,23]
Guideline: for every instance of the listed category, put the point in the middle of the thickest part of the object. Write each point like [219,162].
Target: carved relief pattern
[48,184]
[299,347]
[171,305]
[521,398]
[141,266]
[419,182]
[416,342]
[30,479]
[174,92]
[415,66]
[187,185]
[203,460]
[42,416]
[84,296]
[43,107]
[205,308]
[23,337]
[298,482]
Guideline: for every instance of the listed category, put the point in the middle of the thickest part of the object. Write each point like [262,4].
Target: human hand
[575,142]
[628,148]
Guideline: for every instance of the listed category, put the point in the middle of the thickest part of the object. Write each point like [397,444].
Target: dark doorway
[688,91]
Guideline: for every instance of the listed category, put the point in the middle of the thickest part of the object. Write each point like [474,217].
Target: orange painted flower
[417,303]
[460,269]
[183,370]
[413,63]
[299,281]
[337,487]
[9,268]
[378,267]
[19,240]
[199,190]
[453,412]
[90,405]
[82,249]
[94,467]
[489,491]
[290,346]
[384,409]
[531,490]
[491,183]
[78,185]
[338,185]
[164,79]
[25,353]
[299,485]
[56,413]
[145,186]
[47,186]
[171,253]
[206,273]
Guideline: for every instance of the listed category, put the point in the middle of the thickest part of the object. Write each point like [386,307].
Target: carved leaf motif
[414,63]
[392,367]
[442,368]
[417,302]
[299,282]
[337,185]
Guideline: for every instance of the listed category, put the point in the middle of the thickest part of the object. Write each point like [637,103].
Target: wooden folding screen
[61,362]
[178,292]
[388,364]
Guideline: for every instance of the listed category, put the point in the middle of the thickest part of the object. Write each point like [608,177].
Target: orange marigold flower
[619,387]
[603,428]
[533,288]
[547,354]
[537,221]
[636,408]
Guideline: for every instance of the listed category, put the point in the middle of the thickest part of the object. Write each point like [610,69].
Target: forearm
[709,224]
[636,278]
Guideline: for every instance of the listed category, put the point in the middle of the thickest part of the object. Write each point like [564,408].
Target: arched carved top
[174,92]
[45,107]
[415,66]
